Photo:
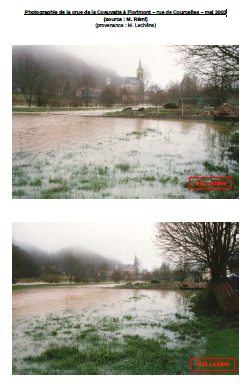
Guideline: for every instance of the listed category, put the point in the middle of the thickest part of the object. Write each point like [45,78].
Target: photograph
[125,298]
[122,137]
[125,122]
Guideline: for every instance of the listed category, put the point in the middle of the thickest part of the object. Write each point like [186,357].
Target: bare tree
[26,76]
[146,82]
[108,96]
[87,82]
[117,276]
[139,265]
[43,86]
[70,264]
[199,244]
[217,62]
[103,268]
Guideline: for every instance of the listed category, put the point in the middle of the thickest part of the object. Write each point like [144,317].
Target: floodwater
[40,301]
[56,316]
[87,156]
[38,132]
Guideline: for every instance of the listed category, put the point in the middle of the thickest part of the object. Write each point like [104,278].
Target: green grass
[56,180]
[149,178]
[164,180]
[134,355]
[97,346]
[203,324]
[36,182]
[154,112]
[128,317]
[211,167]
[20,287]
[68,177]
[224,344]
[18,193]
[123,167]
[44,109]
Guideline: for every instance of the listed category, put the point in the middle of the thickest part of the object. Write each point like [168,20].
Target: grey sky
[117,240]
[124,60]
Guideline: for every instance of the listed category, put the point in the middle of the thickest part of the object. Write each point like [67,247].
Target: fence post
[61,109]
[47,110]
[73,109]
[158,110]
[68,110]
[182,109]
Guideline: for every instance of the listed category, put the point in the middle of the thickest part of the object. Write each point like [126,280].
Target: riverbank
[161,288]
[17,287]
[178,117]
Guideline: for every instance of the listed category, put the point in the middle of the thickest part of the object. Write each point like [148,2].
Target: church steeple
[136,261]
[140,72]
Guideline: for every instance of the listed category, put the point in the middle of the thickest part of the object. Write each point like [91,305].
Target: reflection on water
[40,301]
[34,132]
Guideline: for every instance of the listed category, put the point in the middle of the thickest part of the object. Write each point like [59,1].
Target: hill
[41,257]
[59,62]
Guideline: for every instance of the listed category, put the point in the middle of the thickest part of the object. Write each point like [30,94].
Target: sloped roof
[130,266]
[132,80]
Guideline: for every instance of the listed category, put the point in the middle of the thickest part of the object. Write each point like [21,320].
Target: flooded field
[63,156]
[91,318]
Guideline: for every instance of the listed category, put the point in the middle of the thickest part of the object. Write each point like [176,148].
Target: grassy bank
[44,109]
[20,287]
[155,112]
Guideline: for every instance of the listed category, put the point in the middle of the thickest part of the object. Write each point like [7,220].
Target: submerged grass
[123,167]
[109,345]
[86,171]
[134,355]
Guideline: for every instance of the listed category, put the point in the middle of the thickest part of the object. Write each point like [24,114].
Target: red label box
[207,183]
[216,364]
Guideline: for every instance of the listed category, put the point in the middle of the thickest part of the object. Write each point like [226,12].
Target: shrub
[155,281]
[170,105]
[204,300]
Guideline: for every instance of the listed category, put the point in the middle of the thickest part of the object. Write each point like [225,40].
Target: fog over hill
[86,256]
[59,61]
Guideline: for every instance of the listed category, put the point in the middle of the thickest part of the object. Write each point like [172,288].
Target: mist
[112,61]
[114,240]
[124,60]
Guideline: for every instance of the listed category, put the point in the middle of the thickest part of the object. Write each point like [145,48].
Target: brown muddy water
[40,301]
[44,316]
[63,156]
[125,311]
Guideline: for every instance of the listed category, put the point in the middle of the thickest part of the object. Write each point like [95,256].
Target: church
[132,269]
[132,88]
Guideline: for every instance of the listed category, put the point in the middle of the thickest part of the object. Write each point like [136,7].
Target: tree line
[211,71]
[72,265]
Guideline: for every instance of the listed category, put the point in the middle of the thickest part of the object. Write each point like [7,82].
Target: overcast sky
[124,60]
[117,240]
